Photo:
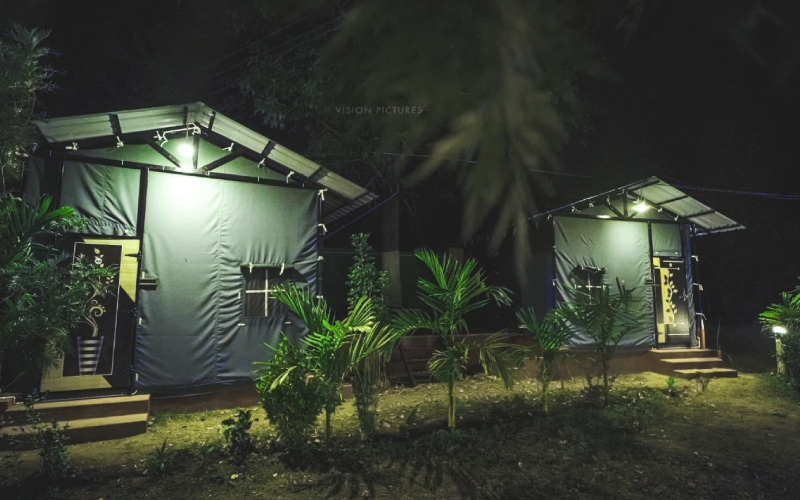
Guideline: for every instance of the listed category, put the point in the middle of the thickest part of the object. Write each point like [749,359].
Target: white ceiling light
[186,150]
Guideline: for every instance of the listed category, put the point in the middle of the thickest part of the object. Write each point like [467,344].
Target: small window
[260,282]
[590,280]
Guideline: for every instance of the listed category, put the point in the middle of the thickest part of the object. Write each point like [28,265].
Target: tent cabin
[641,234]
[203,217]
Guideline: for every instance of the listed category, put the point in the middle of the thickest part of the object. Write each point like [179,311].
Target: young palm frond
[457,290]
[786,313]
[333,349]
[448,366]
[604,316]
[500,358]
[551,339]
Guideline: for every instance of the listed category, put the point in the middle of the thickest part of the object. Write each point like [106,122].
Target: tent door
[671,302]
[102,343]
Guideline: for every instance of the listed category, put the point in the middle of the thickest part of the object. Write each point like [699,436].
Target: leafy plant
[332,349]
[205,453]
[671,385]
[24,77]
[703,382]
[49,440]
[365,279]
[291,399]
[367,379]
[604,316]
[457,289]
[236,431]
[42,294]
[161,461]
[786,314]
[551,339]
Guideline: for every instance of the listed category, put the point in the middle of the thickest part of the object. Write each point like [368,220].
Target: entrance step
[693,363]
[78,409]
[81,431]
[684,353]
[92,419]
[707,372]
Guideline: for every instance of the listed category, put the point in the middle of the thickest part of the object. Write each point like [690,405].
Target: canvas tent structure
[203,217]
[641,234]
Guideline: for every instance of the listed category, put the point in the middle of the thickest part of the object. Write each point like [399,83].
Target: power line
[269,51]
[176,81]
[363,215]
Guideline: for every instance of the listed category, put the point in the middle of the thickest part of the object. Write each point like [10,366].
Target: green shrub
[786,315]
[671,385]
[604,316]
[161,461]
[236,431]
[292,400]
[365,279]
[551,341]
[456,290]
[49,440]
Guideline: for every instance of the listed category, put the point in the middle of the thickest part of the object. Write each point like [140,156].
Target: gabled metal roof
[346,196]
[666,199]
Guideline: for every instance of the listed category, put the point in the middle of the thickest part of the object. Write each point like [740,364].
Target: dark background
[699,97]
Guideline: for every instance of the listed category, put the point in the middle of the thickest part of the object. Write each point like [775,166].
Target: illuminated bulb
[778,330]
[603,216]
[186,150]
[640,207]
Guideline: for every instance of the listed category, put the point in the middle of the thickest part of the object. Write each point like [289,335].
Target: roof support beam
[163,152]
[221,161]
[195,150]
[616,212]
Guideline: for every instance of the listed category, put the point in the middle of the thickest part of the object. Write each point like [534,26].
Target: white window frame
[266,291]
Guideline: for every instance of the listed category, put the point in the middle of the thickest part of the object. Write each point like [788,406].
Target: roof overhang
[105,127]
[662,197]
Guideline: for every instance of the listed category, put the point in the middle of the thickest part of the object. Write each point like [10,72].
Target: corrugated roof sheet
[83,127]
[661,194]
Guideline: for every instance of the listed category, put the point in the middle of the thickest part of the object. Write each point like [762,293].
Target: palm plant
[785,315]
[456,290]
[333,348]
[604,316]
[551,339]
[42,294]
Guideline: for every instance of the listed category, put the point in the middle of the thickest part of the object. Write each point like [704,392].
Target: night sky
[697,97]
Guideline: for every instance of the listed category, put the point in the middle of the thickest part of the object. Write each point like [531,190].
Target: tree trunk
[451,409]
[390,234]
[605,379]
[328,411]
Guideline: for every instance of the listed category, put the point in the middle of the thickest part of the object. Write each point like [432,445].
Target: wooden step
[82,430]
[80,409]
[707,372]
[693,363]
[684,353]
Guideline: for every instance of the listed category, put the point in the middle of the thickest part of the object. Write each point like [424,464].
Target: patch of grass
[737,439]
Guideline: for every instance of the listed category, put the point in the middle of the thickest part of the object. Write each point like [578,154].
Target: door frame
[53,380]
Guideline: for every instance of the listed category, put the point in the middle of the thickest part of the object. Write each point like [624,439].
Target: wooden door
[101,349]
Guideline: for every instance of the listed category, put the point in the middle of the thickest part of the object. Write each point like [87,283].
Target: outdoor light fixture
[603,216]
[640,206]
[186,150]
[778,330]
